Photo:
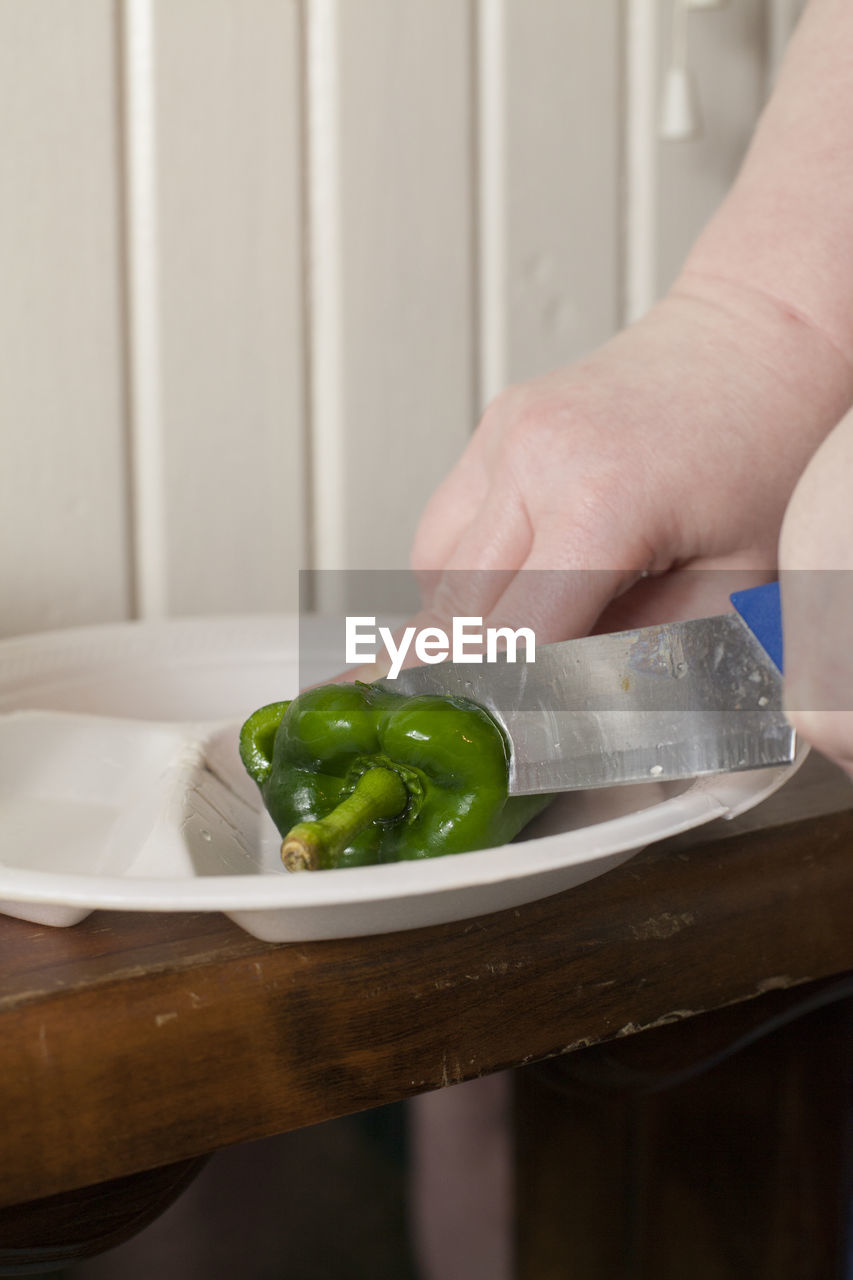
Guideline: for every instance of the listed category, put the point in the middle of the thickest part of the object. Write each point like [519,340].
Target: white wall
[262,262]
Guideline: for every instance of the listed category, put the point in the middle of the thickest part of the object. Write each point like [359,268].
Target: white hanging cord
[680,118]
[678,37]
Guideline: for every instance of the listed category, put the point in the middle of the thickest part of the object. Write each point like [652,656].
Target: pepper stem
[379,793]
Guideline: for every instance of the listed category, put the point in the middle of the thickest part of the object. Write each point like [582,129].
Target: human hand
[816,572]
[674,447]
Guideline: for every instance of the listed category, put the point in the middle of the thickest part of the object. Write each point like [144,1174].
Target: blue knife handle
[761,610]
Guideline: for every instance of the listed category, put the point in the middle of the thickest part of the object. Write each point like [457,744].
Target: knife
[656,703]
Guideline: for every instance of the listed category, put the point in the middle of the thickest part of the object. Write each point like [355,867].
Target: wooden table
[130,1045]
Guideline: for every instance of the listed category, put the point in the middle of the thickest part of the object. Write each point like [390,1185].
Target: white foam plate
[107,800]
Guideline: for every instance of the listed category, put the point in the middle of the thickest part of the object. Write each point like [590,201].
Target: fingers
[485,555]
[449,512]
[475,518]
[556,604]
[493,545]
[697,590]
[508,575]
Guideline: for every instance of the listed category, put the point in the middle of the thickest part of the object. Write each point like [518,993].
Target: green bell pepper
[354,775]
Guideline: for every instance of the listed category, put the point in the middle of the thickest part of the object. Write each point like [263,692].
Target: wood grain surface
[718,1148]
[132,1041]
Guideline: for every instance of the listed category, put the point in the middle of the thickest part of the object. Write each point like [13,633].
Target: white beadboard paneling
[493,301]
[727,50]
[782,18]
[146,441]
[63,533]
[392,267]
[479,194]
[562,131]
[641,101]
[218,329]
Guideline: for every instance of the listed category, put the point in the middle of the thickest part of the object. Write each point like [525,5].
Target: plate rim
[49,653]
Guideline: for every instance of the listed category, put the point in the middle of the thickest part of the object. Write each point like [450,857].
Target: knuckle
[506,405]
[540,435]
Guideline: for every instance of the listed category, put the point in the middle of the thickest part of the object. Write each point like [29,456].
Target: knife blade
[667,702]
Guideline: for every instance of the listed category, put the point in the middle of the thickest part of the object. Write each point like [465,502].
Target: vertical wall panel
[225,419]
[727,54]
[463,192]
[641,103]
[392,267]
[561,125]
[782,18]
[63,539]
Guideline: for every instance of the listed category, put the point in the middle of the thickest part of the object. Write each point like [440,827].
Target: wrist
[733,395]
[794,361]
